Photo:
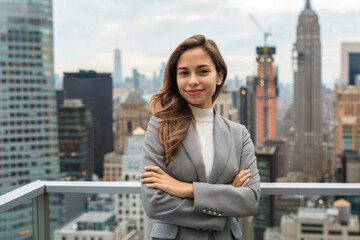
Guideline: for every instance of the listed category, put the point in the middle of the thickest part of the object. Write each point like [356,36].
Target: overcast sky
[86,32]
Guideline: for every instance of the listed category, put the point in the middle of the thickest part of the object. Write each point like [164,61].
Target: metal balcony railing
[39,191]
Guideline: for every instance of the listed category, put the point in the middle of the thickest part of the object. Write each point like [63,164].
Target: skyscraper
[95,91]
[265,90]
[28,125]
[117,68]
[76,140]
[308,157]
[136,80]
[350,64]
[347,120]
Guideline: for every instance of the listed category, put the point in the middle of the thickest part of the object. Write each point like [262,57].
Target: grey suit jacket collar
[221,152]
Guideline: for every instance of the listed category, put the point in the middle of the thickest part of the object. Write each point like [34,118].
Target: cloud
[85,31]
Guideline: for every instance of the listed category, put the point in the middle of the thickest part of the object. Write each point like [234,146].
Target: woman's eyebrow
[182,68]
[200,66]
[204,65]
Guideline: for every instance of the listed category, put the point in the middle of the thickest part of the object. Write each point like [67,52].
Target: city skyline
[147,33]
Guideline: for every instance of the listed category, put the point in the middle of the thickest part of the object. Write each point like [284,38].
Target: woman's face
[197,77]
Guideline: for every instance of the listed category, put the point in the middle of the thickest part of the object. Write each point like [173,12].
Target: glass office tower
[28,124]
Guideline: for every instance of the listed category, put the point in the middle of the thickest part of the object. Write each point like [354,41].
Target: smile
[194,92]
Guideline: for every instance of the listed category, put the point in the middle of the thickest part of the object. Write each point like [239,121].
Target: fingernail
[146,167]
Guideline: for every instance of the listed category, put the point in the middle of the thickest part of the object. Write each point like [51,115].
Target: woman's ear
[220,78]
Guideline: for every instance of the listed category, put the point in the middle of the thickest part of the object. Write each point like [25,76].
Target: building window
[129,127]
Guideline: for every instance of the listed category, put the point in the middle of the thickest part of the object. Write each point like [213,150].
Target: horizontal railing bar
[92,187]
[21,195]
[326,189]
[29,191]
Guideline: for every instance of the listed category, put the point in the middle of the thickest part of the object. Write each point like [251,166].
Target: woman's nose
[193,80]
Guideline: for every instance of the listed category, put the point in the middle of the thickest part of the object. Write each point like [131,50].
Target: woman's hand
[242,178]
[155,177]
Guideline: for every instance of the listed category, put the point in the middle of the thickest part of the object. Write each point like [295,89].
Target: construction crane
[266,78]
[266,34]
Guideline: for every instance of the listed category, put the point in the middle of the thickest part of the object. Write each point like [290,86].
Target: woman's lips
[194,92]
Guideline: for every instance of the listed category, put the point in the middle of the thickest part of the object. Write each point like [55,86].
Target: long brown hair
[171,107]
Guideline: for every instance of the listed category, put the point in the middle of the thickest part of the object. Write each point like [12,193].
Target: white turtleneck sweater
[205,131]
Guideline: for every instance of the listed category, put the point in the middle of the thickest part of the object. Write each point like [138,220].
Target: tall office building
[117,80]
[129,206]
[136,80]
[350,64]
[243,97]
[250,82]
[225,107]
[76,140]
[308,156]
[347,135]
[281,155]
[265,89]
[28,125]
[95,91]
[266,160]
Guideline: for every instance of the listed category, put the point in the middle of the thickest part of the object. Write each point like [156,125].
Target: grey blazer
[216,205]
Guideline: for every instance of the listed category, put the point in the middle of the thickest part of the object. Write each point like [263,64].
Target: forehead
[194,57]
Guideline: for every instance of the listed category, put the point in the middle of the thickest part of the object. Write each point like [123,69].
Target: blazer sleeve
[163,206]
[226,200]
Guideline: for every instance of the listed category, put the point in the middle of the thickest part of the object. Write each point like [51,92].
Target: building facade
[265,90]
[95,91]
[129,206]
[316,223]
[308,157]
[134,113]
[347,135]
[113,167]
[350,64]
[225,107]
[266,161]
[93,226]
[76,140]
[281,156]
[28,124]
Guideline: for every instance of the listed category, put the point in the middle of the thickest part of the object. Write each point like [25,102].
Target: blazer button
[204,210]
[219,214]
[214,212]
[209,211]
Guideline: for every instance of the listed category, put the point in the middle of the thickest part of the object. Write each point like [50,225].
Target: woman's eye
[182,73]
[204,71]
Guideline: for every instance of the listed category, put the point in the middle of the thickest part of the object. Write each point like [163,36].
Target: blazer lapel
[193,150]
[221,147]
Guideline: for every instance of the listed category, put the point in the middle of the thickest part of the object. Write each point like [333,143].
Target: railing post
[42,220]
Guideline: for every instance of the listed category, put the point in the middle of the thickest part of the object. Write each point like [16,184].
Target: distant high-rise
[76,140]
[133,113]
[265,89]
[350,64]
[95,91]
[266,159]
[136,80]
[117,69]
[129,205]
[308,156]
[243,106]
[347,135]
[28,125]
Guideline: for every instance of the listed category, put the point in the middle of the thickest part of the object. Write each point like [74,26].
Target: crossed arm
[159,179]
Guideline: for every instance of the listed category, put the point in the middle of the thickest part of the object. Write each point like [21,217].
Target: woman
[199,170]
